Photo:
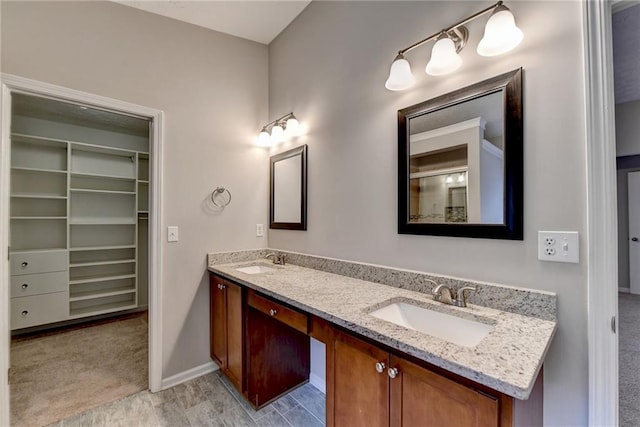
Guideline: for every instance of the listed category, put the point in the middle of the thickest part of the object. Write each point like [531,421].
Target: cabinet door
[218,319]
[360,393]
[234,334]
[420,397]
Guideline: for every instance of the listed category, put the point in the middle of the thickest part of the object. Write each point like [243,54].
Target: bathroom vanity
[377,371]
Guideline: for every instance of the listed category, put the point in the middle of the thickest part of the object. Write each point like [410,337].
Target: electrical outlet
[172,233]
[558,246]
[259,230]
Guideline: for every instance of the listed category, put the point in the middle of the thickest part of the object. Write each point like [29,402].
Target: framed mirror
[460,162]
[288,190]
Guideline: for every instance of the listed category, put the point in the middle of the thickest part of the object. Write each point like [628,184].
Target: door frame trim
[601,214]
[15,84]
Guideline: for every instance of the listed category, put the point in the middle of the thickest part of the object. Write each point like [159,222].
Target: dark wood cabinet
[226,328]
[277,349]
[369,386]
[419,396]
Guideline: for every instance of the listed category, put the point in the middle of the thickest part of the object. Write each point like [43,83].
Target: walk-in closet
[79,209]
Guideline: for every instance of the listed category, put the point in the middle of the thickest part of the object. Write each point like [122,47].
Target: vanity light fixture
[281,128]
[461,177]
[500,36]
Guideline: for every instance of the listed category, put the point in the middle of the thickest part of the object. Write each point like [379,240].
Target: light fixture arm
[278,120]
[452,28]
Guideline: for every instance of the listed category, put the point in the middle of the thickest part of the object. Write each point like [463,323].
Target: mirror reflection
[456,163]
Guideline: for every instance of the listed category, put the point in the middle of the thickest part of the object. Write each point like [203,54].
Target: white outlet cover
[259,230]
[566,246]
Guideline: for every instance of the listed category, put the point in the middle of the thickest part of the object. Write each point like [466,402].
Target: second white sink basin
[457,330]
[255,269]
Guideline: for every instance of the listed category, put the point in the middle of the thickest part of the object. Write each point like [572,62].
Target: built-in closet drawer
[39,309]
[38,262]
[35,284]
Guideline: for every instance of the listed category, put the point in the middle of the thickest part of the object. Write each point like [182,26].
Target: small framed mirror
[288,182]
[460,160]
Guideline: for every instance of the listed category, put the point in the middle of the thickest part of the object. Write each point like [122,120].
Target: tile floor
[209,400]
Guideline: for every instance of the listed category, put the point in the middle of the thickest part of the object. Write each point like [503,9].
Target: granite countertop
[508,359]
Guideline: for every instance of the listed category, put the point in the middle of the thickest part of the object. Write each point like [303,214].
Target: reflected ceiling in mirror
[460,162]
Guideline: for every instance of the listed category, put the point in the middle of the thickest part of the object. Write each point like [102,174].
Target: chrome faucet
[444,295]
[277,258]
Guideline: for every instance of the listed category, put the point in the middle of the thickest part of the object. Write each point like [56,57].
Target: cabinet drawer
[38,262]
[38,310]
[42,283]
[286,315]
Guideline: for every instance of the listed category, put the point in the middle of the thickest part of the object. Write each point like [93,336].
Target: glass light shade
[444,58]
[449,179]
[264,139]
[277,134]
[461,177]
[500,34]
[400,75]
[292,128]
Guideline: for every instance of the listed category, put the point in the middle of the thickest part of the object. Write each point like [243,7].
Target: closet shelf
[38,217]
[36,196]
[38,170]
[100,278]
[86,190]
[102,222]
[80,296]
[143,181]
[100,248]
[100,309]
[90,264]
[98,175]
[26,251]
[39,138]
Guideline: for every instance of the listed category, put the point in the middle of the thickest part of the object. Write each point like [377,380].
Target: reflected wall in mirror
[288,192]
[460,162]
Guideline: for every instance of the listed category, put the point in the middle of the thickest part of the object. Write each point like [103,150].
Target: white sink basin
[255,269]
[457,330]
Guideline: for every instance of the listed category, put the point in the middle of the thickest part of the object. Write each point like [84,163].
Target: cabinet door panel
[361,395]
[421,397]
[218,322]
[234,334]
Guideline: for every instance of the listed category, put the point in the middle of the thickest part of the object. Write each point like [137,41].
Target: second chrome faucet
[444,294]
[277,258]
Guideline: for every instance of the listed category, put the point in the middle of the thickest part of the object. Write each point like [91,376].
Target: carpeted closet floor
[57,374]
[629,359]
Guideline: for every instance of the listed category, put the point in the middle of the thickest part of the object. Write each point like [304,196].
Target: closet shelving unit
[84,201]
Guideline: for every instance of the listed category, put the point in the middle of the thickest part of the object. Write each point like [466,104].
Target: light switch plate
[558,246]
[172,233]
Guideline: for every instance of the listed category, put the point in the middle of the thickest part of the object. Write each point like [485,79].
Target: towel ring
[219,191]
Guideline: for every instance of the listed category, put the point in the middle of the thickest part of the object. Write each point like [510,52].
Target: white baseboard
[624,290]
[189,374]
[318,382]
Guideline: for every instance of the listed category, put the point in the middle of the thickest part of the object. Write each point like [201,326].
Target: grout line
[307,410]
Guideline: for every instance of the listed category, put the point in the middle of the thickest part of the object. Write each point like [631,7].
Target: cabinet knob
[25,286]
[393,372]
[25,312]
[380,367]
[273,312]
[25,264]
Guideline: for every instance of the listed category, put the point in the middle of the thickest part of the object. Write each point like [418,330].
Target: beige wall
[329,67]
[628,128]
[213,90]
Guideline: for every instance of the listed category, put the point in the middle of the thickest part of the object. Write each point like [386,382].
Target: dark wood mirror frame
[510,84]
[302,225]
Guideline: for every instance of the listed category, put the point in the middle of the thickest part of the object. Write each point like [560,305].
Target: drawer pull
[380,367]
[24,264]
[273,312]
[24,286]
[24,312]
[393,372]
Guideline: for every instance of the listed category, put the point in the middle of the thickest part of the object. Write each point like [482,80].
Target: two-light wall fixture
[282,128]
[500,36]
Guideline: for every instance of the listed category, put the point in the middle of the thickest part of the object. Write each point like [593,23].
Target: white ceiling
[260,20]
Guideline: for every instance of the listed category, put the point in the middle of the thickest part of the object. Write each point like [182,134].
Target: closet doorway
[82,229]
